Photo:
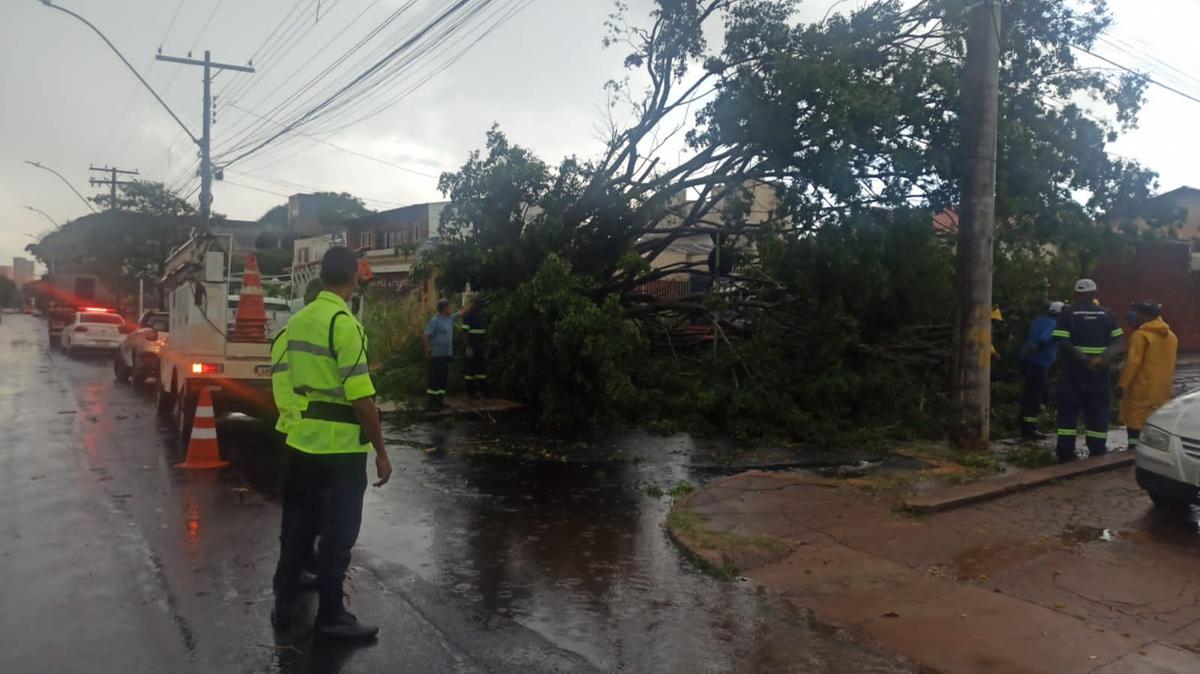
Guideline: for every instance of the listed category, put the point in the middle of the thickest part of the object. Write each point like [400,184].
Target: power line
[311,113]
[301,186]
[203,29]
[1142,75]
[346,149]
[65,182]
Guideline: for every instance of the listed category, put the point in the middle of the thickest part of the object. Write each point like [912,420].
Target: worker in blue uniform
[1037,355]
[1089,340]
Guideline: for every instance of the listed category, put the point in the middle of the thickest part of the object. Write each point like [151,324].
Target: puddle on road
[574,549]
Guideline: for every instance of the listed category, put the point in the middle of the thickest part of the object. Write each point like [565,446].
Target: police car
[1167,456]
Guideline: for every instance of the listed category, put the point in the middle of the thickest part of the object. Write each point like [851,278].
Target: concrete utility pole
[111,182]
[205,142]
[972,368]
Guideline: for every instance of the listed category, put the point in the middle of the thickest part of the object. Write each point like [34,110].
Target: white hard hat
[1085,285]
[1056,307]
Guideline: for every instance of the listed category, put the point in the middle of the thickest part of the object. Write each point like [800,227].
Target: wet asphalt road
[118,561]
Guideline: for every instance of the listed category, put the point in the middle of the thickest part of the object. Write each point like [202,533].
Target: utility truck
[200,350]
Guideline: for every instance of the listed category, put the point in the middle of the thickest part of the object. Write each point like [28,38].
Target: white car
[137,357]
[1168,453]
[94,329]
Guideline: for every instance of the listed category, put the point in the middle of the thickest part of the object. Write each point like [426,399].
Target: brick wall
[1159,272]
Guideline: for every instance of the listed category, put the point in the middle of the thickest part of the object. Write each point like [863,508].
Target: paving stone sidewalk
[1081,576]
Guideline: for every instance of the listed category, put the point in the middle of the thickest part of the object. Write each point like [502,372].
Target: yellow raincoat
[1147,379]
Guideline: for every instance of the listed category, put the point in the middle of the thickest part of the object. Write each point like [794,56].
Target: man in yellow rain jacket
[1147,378]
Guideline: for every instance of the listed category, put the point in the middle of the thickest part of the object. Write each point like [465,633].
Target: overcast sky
[69,102]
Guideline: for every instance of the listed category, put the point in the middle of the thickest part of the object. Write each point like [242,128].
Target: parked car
[1167,457]
[278,312]
[137,357]
[94,328]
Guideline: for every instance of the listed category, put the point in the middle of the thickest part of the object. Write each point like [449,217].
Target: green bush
[394,335]
[551,345]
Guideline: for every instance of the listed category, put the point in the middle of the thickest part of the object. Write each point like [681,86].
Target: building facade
[23,271]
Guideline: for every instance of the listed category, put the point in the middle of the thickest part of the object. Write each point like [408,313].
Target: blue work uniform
[1090,329]
[440,331]
[1037,355]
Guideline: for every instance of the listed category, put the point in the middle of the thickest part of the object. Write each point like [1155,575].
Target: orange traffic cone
[250,322]
[203,450]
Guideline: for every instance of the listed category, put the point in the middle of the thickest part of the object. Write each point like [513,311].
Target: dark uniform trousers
[1034,378]
[475,367]
[1081,390]
[439,378]
[322,495]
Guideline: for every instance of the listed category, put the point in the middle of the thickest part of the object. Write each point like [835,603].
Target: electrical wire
[316,110]
[203,29]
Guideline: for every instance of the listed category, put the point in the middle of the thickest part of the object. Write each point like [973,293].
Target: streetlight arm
[44,215]
[65,181]
[129,65]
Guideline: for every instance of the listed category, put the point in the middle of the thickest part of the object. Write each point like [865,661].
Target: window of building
[302,256]
[391,239]
[365,239]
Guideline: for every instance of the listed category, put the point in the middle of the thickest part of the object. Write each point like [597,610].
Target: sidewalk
[1075,577]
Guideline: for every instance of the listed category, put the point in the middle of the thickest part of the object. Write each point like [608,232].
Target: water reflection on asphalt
[574,549]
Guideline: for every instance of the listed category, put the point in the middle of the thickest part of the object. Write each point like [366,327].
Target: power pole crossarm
[112,182]
[971,369]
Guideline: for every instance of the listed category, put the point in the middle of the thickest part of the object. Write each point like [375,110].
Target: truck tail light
[152,335]
[207,368]
[80,328]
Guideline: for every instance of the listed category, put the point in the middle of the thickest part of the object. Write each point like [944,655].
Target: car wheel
[163,401]
[120,371]
[185,414]
[1164,502]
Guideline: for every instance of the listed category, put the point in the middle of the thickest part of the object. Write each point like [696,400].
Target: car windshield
[157,322]
[108,319]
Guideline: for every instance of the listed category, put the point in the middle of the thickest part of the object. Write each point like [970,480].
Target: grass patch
[1031,456]
[687,526]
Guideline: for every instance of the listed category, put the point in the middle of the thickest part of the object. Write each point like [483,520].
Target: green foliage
[394,336]
[575,359]
[150,198]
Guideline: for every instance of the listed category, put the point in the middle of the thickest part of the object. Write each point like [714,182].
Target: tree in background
[124,245]
[820,153]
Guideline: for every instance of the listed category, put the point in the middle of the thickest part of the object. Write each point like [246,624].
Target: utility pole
[205,142]
[971,374]
[112,182]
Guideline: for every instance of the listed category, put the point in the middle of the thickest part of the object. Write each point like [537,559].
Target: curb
[954,497]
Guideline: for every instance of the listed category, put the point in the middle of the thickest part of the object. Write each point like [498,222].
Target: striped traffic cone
[250,321]
[203,450]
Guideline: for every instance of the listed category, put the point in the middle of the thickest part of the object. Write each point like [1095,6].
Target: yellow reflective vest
[326,356]
[287,402]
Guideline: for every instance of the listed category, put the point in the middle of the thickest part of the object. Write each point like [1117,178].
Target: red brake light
[207,368]
[80,328]
[152,335]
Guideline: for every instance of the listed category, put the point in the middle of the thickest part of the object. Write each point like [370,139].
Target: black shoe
[346,627]
[282,614]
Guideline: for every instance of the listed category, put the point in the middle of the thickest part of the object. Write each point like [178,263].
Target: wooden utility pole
[111,182]
[972,368]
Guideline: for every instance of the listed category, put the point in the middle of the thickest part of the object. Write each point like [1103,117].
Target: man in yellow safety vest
[325,477]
